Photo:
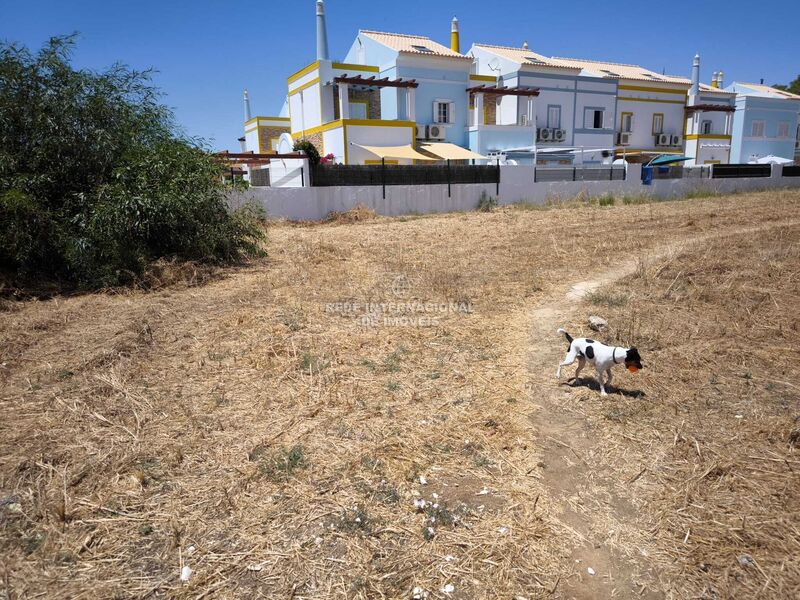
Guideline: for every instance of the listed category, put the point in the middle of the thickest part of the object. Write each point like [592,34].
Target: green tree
[95,179]
[793,87]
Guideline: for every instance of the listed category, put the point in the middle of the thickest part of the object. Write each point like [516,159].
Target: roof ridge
[405,35]
[599,62]
[521,49]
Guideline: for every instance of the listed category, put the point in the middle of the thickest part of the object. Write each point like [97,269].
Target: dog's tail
[566,335]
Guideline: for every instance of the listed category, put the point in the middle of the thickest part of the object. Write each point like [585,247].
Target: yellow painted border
[304,71]
[483,78]
[306,85]
[377,162]
[641,88]
[357,122]
[255,120]
[708,136]
[629,99]
[654,123]
[621,149]
[712,162]
[368,68]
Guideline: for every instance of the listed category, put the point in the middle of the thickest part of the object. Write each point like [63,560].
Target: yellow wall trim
[304,71]
[483,78]
[628,99]
[369,68]
[377,162]
[621,149]
[254,119]
[707,136]
[641,88]
[308,84]
[357,122]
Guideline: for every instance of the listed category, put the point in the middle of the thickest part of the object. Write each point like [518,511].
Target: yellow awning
[395,152]
[451,151]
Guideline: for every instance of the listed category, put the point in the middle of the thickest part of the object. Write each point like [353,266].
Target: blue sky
[208,51]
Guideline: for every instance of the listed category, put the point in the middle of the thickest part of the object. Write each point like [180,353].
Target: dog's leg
[600,381]
[608,381]
[581,364]
[568,360]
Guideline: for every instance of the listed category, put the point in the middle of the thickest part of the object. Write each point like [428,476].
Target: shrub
[607,200]
[486,203]
[95,180]
[310,150]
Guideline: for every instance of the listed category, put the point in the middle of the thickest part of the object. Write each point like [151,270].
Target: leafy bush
[310,150]
[95,181]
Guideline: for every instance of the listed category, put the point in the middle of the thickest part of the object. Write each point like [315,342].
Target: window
[443,111]
[421,48]
[758,129]
[658,123]
[273,143]
[705,127]
[626,122]
[554,116]
[783,129]
[593,118]
[612,73]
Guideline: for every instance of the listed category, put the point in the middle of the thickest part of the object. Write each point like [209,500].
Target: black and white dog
[601,356]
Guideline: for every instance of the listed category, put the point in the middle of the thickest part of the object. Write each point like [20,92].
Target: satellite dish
[494,64]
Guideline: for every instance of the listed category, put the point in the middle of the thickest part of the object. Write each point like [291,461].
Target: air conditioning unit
[559,135]
[545,134]
[624,138]
[422,132]
[663,139]
[677,140]
[436,132]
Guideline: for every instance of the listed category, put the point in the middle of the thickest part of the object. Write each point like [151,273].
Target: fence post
[498,178]
[448,177]
[383,176]
[574,173]
[302,177]
[535,168]
[611,173]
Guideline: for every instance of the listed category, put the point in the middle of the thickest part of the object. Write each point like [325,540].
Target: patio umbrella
[667,159]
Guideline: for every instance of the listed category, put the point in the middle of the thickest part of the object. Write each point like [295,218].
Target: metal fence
[731,171]
[679,172]
[790,171]
[383,175]
[579,174]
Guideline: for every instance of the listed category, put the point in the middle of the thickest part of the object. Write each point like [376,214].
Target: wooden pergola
[375,82]
[503,90]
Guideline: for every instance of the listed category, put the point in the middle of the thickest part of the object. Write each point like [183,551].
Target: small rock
[597,323]
[590,570]
[483,492]
[747,561]
[418,594]
[448,589]
[255,568]
[422,480]
[502,530]
[419,504]
[186,572]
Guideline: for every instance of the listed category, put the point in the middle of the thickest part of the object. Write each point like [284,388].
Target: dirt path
[593,496]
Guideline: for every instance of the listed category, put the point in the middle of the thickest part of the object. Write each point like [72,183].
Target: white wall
[516,186]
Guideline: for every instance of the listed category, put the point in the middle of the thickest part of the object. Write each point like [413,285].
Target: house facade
[572,113]
[765,123]
[709,120]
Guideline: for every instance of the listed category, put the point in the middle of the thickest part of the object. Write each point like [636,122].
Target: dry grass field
[373,408]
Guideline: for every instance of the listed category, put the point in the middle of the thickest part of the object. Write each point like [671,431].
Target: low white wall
[516,185]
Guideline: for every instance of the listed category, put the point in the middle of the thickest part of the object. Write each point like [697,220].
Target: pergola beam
[374,82]
[503,91]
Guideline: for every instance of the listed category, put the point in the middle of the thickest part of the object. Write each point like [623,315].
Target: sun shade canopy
[395,152]
[451,151]
[666,160]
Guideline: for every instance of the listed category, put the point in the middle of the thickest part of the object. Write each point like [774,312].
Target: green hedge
[95,180]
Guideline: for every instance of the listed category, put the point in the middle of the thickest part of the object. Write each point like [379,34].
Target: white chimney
[322,32]
[247,116]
